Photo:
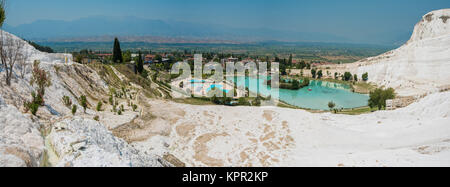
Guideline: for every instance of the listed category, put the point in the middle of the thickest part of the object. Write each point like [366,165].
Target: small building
[104,55]
[149,58]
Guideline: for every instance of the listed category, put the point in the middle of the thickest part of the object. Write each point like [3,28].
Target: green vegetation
[67,101]
[347,76]
[99,106]
[356,111]
[308,52]
[127,56]
[97,118]
[243,101]
[42,79]
[292,84]
[313,73]
[219,97]
[41,48]
[83,102]
[365,76]
[139,64]
[331,105]
[319,74]
[111,99]
[34,105]
[195,101]
[117,52]
[74,109]
[379,96]
[2,13]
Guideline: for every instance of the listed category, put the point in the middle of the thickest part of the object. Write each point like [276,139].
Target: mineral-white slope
[420,66]
[80,142]
[21,143]
[418,135]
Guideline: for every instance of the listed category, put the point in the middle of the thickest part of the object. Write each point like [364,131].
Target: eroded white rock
[82,142]
[21,143]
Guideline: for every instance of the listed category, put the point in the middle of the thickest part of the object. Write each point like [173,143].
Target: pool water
[197,81]
[316,96]
[220,87]
[198,87]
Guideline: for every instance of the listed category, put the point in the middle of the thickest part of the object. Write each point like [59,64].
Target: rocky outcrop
[21,143]
[81,142]
[432,25]
[417,68]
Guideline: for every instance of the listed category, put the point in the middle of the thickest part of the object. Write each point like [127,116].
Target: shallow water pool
[316,96]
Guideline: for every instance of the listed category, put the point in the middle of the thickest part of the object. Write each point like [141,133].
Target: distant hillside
[79,30]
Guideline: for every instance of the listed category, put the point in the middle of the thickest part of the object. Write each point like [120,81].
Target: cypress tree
[140,63]
[117,52]
[2,12]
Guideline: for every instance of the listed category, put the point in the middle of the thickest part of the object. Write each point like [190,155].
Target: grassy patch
[194,101]
[363,87]
[146,83]
[108,75]
[357,111]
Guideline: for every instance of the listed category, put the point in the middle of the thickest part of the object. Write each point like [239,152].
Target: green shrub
[42,79]
[97,118]
[74,109]
[134,107]
[83,102]
[331,105]
[144,73]
[313,73]
[347,76]
[365,76]
[243,101]
[34,105]
[111,100]
[67,101]
[119,112]
[34,108]
[319,74]
[99,106]
[379,96]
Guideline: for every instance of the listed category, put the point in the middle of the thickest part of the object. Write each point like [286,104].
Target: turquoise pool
[316,96]
[216,86]
[197,81]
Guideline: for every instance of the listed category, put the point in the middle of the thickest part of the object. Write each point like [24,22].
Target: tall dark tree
[313,73]
[2,12]
[117,52]
[347,76]
[319,74]
[140,63]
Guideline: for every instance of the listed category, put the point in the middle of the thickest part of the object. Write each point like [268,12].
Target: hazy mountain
[132,26]
[54,30]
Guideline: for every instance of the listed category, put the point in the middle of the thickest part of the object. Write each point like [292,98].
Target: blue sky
[340,17]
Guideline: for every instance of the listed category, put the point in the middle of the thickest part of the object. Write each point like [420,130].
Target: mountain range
[147,30]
